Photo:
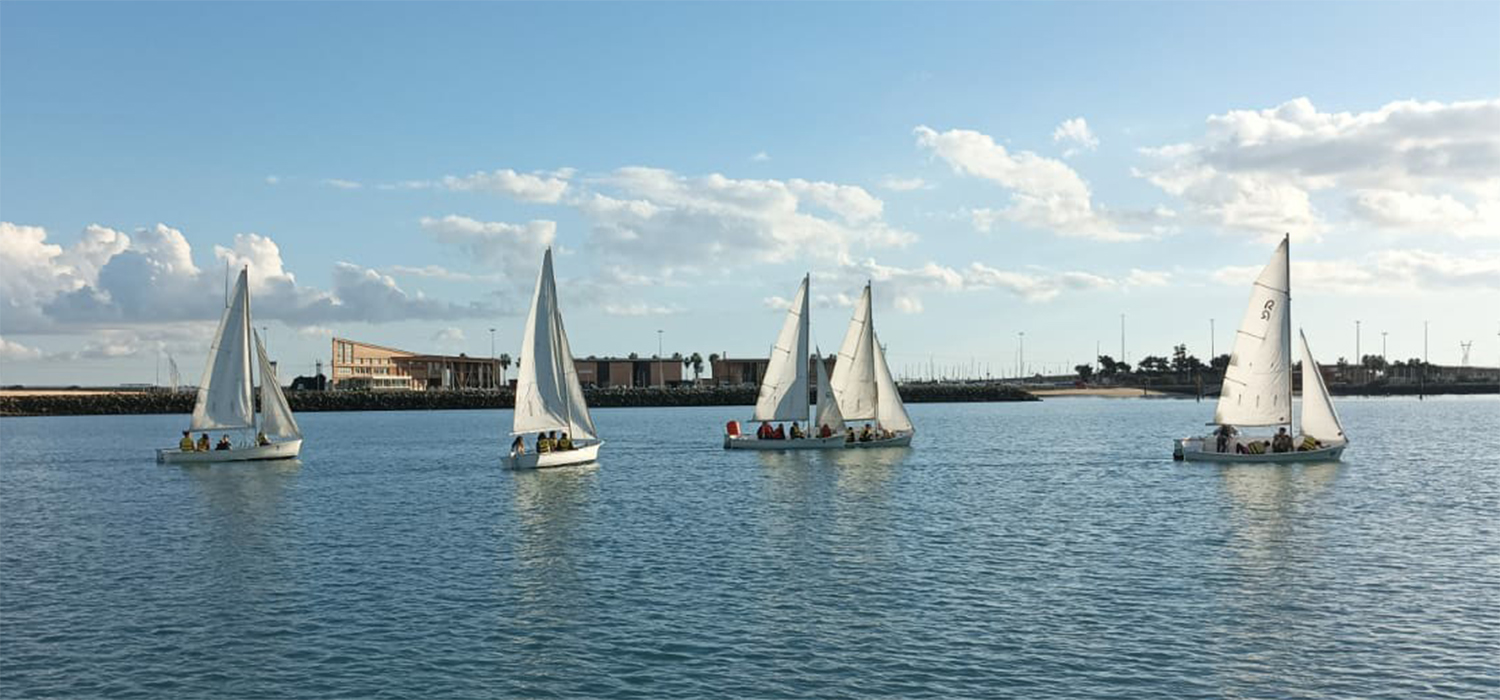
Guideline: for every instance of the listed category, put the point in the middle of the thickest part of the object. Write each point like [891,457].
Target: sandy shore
[1114,392]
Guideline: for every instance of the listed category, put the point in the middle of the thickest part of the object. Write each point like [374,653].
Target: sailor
[1282,442]
[223,442]
[778,433]
[1224,432]
[186,443]
[261,440]
[866,435]
[849,435]
[765,432]
[518,445]
[797,432]
[203,443]
[565,442]
[825,431]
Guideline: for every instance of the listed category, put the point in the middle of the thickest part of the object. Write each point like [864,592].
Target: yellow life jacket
[186,444]
[1257,448]
[1309,442]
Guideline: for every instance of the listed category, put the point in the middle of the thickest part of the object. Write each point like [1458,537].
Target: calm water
[1061,554]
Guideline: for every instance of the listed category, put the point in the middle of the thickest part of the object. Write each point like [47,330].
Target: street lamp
[493,385]
[658,358]
[1021,354]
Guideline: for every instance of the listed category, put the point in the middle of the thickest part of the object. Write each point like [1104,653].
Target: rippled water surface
[1041,550]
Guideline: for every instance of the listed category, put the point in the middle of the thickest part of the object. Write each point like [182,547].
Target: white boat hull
[1205,450]
[275,450]
[750,442]
[897,440]
[580,454]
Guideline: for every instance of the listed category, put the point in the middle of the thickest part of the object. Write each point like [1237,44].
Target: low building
[366,366]
[729,371]
[628,371]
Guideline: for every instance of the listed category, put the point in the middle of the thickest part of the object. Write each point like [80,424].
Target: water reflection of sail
[241,518]
[549,505]
[1274,551]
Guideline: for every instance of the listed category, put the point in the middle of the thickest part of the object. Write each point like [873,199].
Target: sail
[828,406]
[580,423]
[1257,386]
[275,415]
[783,391]
[853,378]
[1318,417]
[548,395]
[224,395]
[890,413]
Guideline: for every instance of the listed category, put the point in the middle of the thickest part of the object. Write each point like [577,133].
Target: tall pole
[493,385]
[1021,353]
[1424,361]
[1122,337]
[1382,344]
[1211,333]
[1359,360]
[658,359]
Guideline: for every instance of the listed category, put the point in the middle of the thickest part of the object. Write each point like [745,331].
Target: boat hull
[275,450]
[898,440]
[750,442]
[580,454]
[1192,450]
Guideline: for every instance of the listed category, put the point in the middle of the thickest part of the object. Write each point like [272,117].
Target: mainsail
[828,406]
[783,391]
[225,394]
[1257,387]
[275,415]
[854,374]
[1318,417]
[890,413]
[548,393]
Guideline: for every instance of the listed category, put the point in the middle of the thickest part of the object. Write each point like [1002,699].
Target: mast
[250,342]
[1286,328]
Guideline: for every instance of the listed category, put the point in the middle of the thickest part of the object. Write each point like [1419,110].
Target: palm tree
[504,365]
[694,361]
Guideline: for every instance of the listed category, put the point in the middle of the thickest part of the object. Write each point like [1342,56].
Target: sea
[1016,550]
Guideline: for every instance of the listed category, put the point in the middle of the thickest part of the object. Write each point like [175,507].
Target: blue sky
[401,164]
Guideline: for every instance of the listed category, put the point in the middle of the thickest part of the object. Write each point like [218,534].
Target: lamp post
[1211,353]
[1359,361]
[493,385]
[1021,354]
[1122,337]
[658,358]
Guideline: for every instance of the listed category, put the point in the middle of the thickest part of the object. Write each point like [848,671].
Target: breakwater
[65,404]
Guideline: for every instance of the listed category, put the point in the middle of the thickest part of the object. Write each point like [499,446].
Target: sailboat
[226,395]
[1257,389]
[863,385]
[784,391]
[549,397]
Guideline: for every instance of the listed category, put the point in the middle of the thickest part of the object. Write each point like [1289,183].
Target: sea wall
[65,404]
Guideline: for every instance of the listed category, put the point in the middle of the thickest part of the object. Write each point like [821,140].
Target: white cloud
[315,332]
[639,309]
[543,187]
[902,288]
[1044,193]
[15,352]
[1418,167]
[904,184]
[1388,272]
[438,272]
[658,219]
[515,249]
[111,281]
[1075,134]
[760,157]
[342,184]
[450,336]
[273,180]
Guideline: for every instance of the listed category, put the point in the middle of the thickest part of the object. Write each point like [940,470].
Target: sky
[392,173]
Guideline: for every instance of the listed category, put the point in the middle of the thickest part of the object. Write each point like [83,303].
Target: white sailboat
[863,385]
[1257,389]
[784,391]
[226,403]
[549,398]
